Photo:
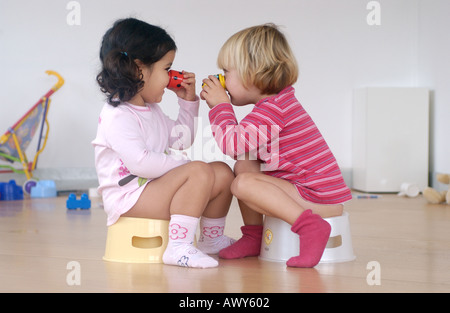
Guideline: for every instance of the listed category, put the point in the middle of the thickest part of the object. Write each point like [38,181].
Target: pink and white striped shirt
[281,133]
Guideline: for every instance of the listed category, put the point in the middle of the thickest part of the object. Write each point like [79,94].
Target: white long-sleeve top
[132,148]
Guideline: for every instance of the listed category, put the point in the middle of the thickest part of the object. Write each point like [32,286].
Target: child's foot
[248,245]
[314,233]
[214,245]
[212,239]
[180,250]
[184,254]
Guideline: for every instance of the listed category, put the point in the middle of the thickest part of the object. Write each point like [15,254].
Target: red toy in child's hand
[176,77]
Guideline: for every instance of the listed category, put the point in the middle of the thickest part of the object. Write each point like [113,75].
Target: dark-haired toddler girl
[138,174]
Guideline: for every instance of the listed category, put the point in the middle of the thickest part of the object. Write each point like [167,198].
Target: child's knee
[223,172]
[241,183]
[201,172]
[245,166]
[223,178]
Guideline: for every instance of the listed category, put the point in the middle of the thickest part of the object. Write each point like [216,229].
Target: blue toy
[43,189]
[10,191]
[84,203]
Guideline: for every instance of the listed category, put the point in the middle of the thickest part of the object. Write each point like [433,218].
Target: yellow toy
[221,79]
[434,196]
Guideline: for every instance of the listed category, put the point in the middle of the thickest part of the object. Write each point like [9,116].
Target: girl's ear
[142,67]
[139,63]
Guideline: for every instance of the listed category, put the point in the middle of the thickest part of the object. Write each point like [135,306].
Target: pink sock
[248,245]
[314,233]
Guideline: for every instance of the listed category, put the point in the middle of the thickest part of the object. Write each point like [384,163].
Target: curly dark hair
[129,40]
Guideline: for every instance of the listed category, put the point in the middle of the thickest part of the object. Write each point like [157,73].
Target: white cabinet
[390,138]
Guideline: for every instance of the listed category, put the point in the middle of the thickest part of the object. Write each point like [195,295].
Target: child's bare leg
[212,223]
[184,190]
[277,197]
[266,195]
[180,195]
[221,195]
[249,216]
[250,243]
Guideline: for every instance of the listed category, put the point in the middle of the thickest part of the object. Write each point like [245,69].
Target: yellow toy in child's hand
[221,79]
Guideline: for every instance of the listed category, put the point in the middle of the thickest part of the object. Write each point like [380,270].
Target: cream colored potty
[279,243]
[137,240]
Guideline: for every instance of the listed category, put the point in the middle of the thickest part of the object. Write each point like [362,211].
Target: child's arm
[182,131]
[253,135]
[126,139]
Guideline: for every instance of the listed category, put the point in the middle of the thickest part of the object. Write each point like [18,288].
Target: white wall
[434,69]
[337,51]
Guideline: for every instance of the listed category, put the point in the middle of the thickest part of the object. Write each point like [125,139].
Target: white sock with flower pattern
[212,239]
[180,249]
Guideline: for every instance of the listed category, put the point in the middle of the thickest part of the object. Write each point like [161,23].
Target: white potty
[279,243]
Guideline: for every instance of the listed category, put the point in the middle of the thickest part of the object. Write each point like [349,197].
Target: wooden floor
[46,248]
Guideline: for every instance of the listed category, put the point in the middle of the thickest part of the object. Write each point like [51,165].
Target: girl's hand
[187,90]
[213,92]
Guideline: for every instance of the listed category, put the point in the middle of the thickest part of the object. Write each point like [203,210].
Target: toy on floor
[84,203]
[43,189]
[14,142]
[434,196]
[10,191]
[409,190]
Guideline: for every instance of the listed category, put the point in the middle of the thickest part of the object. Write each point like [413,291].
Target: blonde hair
[262,57]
